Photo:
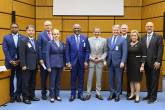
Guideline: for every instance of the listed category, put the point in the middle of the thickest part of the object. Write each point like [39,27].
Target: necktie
[77,41]
[33,43]
[113,42]
[50,35]
[148,40]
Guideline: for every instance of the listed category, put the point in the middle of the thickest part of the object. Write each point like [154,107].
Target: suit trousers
[16,71]
[44,77]
[115,79]
[28,83]
[77,75]
[98,69]
[55,79]
[152,81]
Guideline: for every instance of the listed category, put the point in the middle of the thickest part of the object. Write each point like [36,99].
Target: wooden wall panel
[75,17]
[2,63]
[23,9]
[101,17]
[132,2]
[1,53]
[5,20]
[23,22]
[131,13]
[56,24]
[105,25]
[32,2]
[154,10]
[45,13]
[44,2]
[6,6]
[132,24]
[148,2]
[3,32]
[68,25]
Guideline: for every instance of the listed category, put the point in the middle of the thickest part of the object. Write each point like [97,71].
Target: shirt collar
[125,36]
[14,34]
[150,34]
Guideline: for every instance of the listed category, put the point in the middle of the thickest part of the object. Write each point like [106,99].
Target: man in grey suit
[98,53]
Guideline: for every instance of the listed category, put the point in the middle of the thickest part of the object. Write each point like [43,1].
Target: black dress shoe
[87,97]
[58,98]
[44,97]
[112,96]
[18,99]
[151,100]
[99,97]
[72,98]
[27,101]
[117,99]
[12,99]
[146,98]
[131,98]
[34,99]
[82,98]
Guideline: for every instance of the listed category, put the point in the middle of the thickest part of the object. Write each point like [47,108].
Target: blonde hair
[137,33]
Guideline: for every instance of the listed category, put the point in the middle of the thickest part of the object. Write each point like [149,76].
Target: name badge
[29,45]
[117,48]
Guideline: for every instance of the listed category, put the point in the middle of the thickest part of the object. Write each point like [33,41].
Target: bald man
[77,56]
[43,38]
[154,48]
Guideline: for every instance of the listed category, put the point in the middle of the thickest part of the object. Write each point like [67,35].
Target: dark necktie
[113,42]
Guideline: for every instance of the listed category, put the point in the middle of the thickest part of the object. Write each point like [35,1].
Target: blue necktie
[77,41]
[113,42]
[33,43]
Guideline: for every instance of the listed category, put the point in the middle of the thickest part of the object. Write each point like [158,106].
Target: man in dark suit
[29,61]
[124,34]
[43,38]
[154,50]
[11,43]
[77,56]
[117,54]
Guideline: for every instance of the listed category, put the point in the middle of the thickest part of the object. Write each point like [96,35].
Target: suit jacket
[98,49]
[43,39]
[155,50]
[118,53]
[28,55]
[55,56]
[10,50]
[73,54]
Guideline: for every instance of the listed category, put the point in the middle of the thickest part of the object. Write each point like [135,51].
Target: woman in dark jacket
[55,61]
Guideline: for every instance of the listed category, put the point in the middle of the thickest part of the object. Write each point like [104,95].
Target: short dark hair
[14,23]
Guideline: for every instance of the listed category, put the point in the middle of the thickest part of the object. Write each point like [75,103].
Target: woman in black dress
[135,65]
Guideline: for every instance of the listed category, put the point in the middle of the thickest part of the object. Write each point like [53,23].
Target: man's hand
[85,64]
[41,62]
[24,68]
[121,65]
[156,65]
[49,69]
[69,65]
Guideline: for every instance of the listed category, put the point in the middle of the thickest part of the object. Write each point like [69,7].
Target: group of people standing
[121,52]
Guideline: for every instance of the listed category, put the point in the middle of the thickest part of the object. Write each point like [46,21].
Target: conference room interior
[24,12]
